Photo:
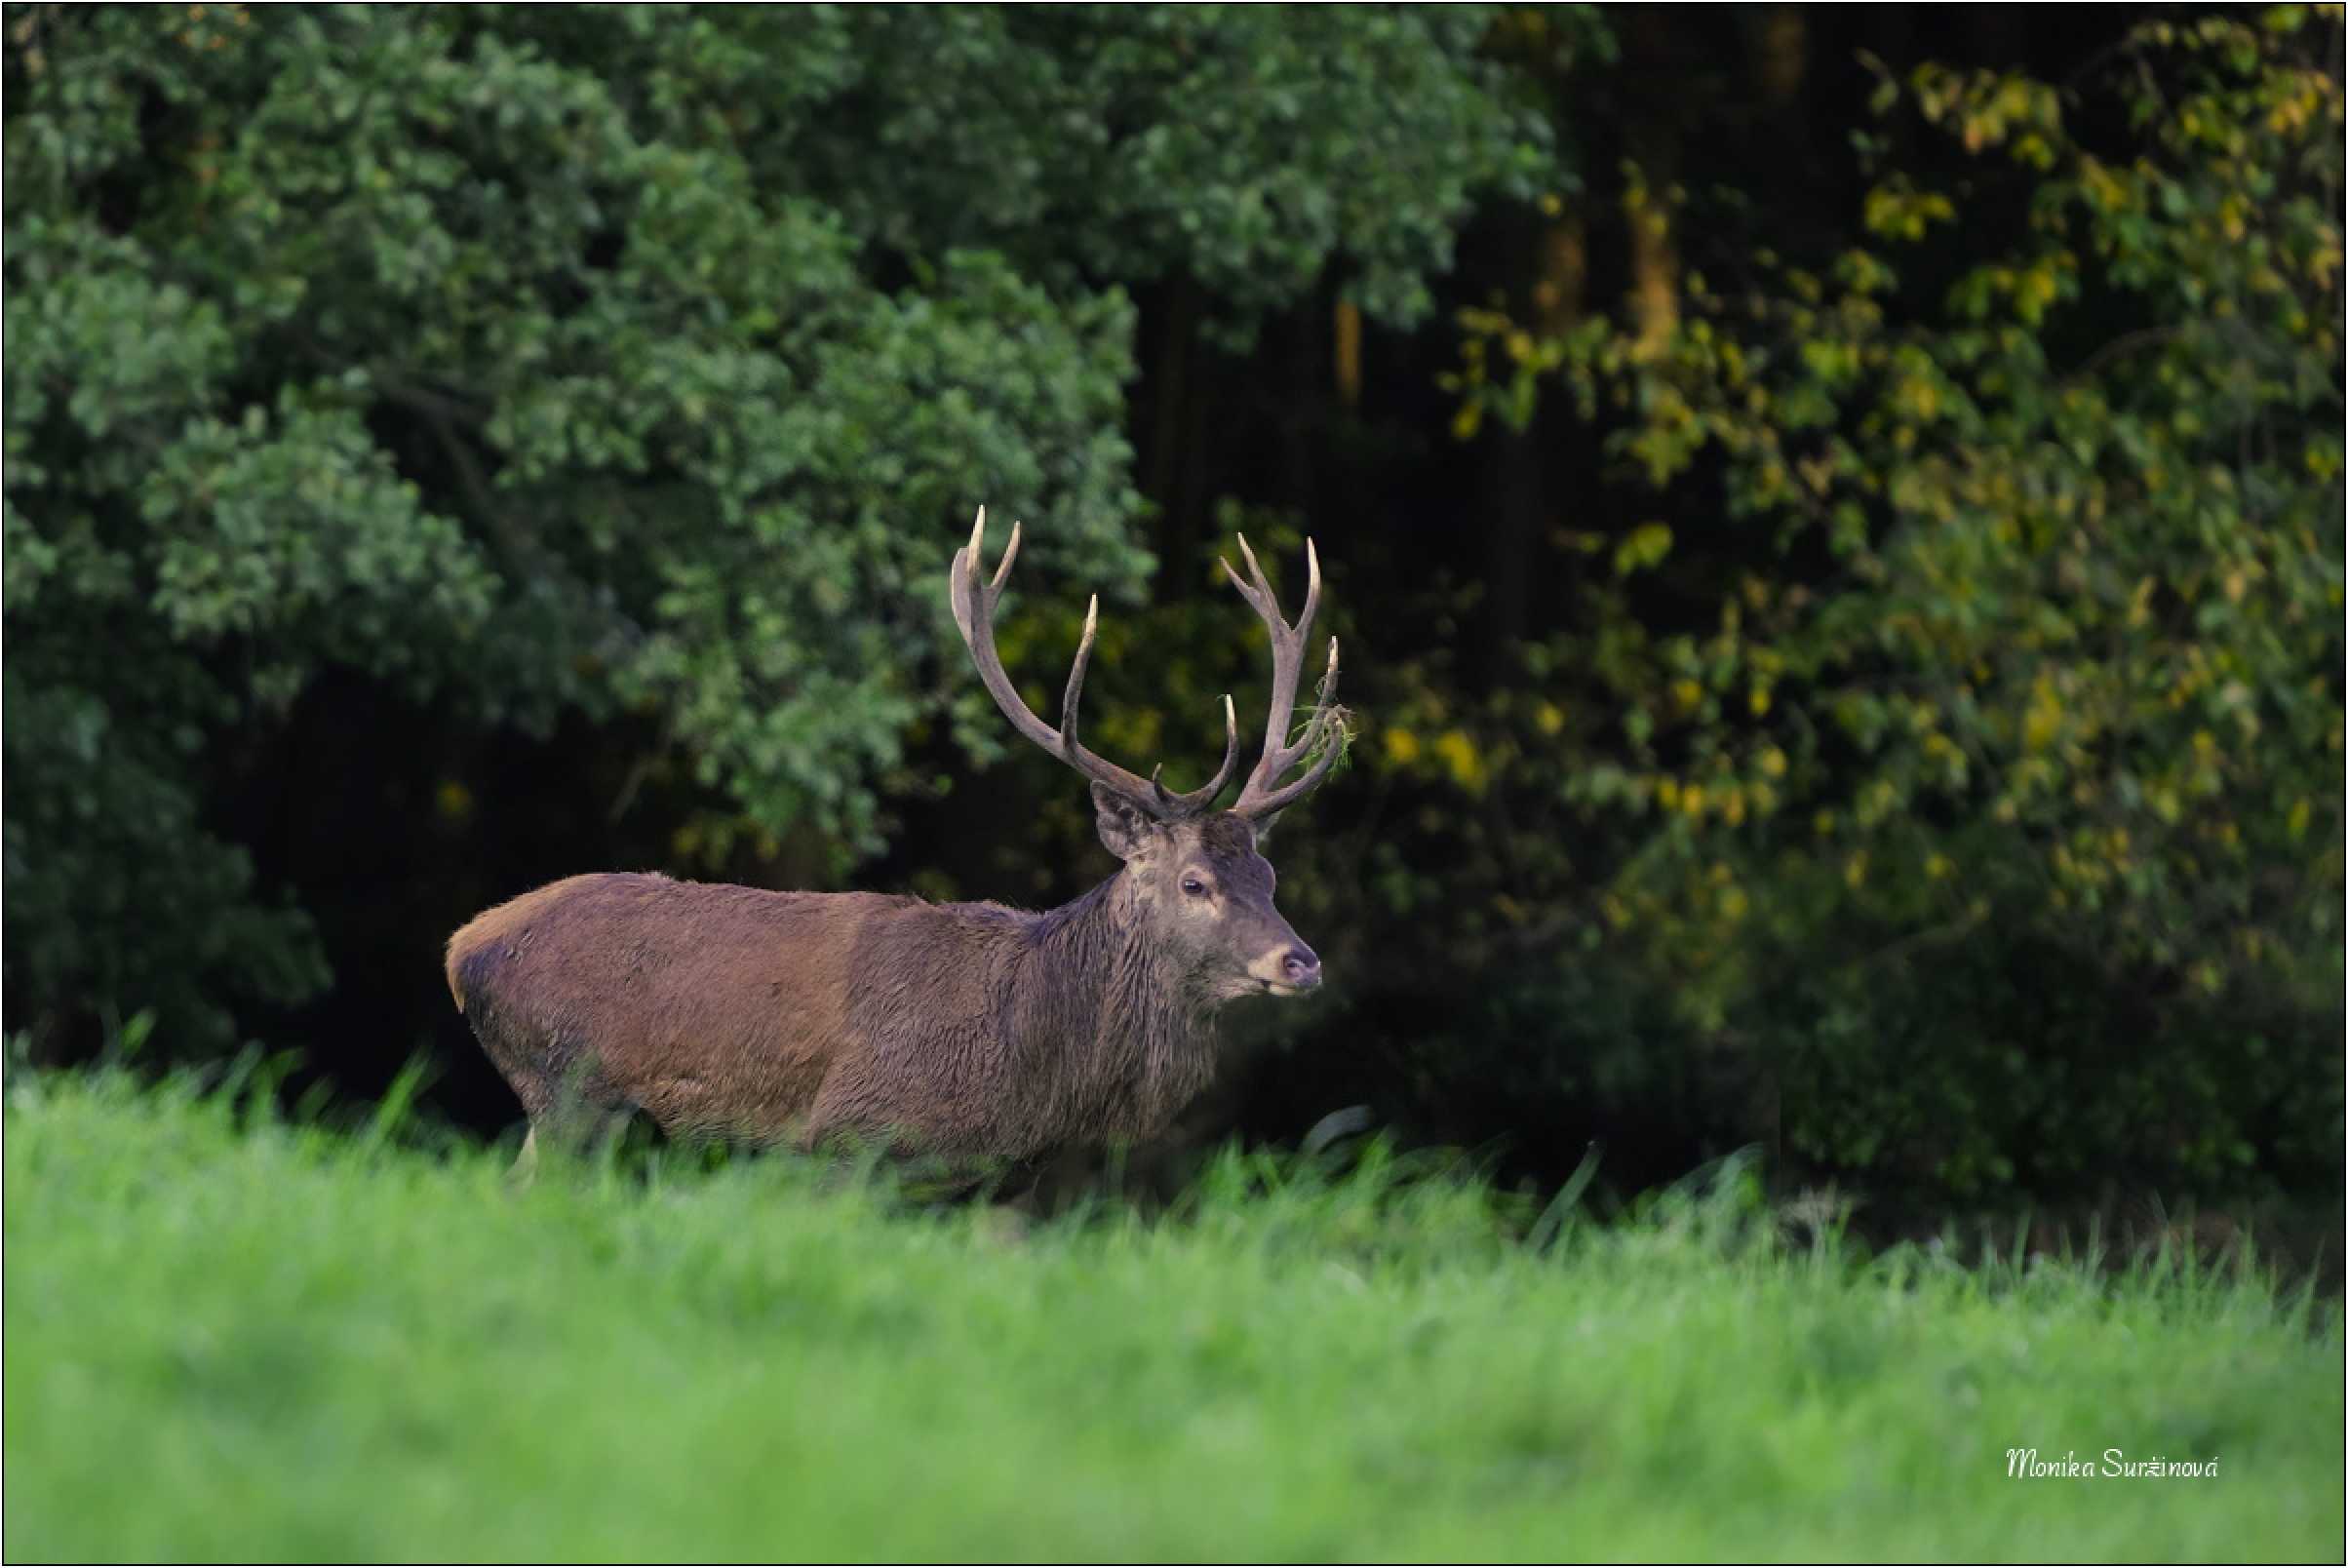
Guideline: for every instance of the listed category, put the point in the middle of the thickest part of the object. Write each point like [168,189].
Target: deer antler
[974,604]
[1263,795]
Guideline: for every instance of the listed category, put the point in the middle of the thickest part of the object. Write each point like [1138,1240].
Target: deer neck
[1111,1031]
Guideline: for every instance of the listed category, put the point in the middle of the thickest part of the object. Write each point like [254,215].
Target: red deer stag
[971,1032]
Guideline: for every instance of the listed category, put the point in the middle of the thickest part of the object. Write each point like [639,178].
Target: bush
[1979,769]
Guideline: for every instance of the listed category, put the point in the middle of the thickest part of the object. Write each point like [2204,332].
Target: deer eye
[1193,887]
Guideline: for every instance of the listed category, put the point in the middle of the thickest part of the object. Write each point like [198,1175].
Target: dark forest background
[1834,515]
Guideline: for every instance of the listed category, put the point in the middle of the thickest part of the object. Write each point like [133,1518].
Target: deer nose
[1301,968]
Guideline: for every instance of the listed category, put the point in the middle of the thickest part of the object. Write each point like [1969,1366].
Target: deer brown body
[973,1032]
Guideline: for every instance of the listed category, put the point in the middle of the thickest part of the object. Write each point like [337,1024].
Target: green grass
[234,1339]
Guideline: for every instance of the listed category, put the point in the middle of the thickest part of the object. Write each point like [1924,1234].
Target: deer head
[1195,877]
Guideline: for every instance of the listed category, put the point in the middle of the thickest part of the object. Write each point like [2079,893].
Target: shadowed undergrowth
[233,1337]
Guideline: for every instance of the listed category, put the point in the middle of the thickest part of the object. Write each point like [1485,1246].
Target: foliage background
[1835,518]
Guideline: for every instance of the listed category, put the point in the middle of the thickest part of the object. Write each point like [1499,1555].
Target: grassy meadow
[231,1338]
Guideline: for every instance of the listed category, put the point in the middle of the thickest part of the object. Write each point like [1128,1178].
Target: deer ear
[1125,829]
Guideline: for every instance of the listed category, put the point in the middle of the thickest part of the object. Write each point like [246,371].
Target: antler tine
[1011,552]
[974,602]
[1304,619]
[1263,588]
[1074,695]
[1262,796]
[1199,799]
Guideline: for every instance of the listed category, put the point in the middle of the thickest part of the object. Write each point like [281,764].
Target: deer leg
[576,1125]
[578,1113]
[526,1163]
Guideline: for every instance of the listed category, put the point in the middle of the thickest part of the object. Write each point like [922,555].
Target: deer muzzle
[1287,969]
